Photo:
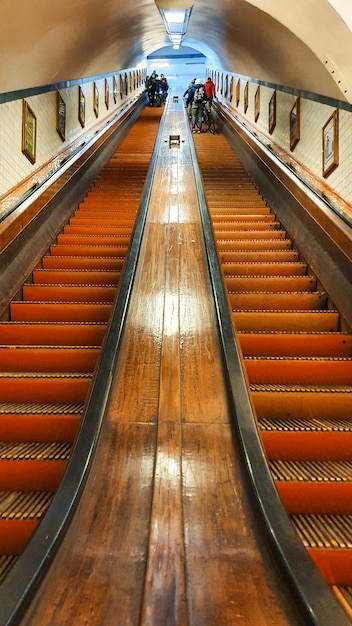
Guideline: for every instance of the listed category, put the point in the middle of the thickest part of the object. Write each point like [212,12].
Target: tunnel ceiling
[305,44]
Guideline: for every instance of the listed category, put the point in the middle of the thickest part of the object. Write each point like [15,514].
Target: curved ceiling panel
[306,45]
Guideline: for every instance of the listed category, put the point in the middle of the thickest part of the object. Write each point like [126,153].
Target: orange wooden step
[230,247]
[227,258]
[316,497]
[94,229]
[124,215]
[15,533]
[263,269]
[228,212]
[99,220]
[40,422]
[298,321]
[222,229]
[220,221]
[313,445]
[84,263]
[60,312]
[296,344]
[66,293]
[270,283]
[277,301]
[20,514]
[75,277]
[335,564]
[31,472]
[44,387]
[300,401]
[101,240]
[234,235]
[218,196]
[46,333]
[88,250]
[48,359]
[299,371]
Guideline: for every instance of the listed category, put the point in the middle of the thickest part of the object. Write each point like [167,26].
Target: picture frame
[95,99]
[238,92]
[60,116]
[231,88]
[114,89]
[81,107]
[295,124]
[272,113]
[106,92]
[257,104]
[245,95]
[121,86]
[29,132]
[330,144]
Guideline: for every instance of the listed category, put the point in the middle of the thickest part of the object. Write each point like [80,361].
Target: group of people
[198,97]
[156,88]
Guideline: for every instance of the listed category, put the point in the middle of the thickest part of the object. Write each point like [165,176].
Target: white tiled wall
[14,165]
[308,150]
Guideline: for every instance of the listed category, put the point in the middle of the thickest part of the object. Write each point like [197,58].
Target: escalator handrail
[22,582]
[314,598]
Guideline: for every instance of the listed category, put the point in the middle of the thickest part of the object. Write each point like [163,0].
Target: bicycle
[208,120]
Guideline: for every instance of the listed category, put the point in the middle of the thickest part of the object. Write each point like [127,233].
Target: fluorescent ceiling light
[175,17]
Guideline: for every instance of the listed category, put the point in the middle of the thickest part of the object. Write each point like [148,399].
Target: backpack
[199,95]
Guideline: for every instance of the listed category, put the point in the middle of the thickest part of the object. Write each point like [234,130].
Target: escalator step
[22,505]
[75,277]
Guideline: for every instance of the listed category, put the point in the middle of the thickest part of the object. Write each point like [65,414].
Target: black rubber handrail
[22,582]
[313,597]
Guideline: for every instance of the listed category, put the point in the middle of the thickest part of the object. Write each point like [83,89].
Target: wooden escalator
[51,342]
[297,355]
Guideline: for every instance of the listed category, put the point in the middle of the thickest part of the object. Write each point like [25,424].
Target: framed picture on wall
[114,88]
[121,86]
[231,89]
[245,95]
[257,103]
[81,107]
[330,139]
[29,132]
[272,113]
[295,126]
[95,99]
[107,92]
[238,92]
[60,116]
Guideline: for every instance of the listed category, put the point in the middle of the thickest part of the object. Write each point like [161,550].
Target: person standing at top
[210,91]
[164,86]
[198,95]
[186,96]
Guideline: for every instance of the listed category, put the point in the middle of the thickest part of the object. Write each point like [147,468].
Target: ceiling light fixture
[175,14]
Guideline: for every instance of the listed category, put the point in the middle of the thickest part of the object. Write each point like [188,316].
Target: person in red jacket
[210,91]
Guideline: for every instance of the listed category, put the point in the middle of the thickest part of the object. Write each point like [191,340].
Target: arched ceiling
[305,44]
